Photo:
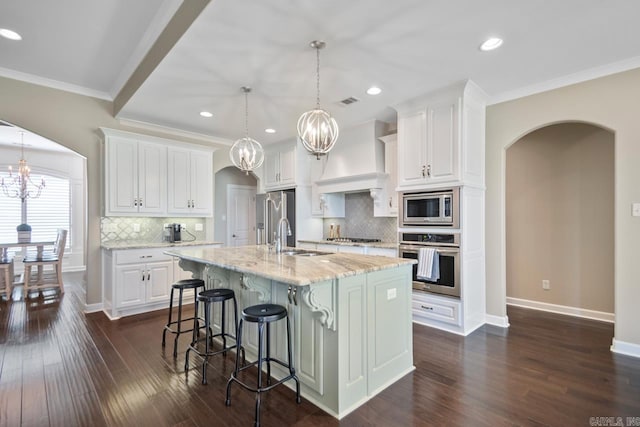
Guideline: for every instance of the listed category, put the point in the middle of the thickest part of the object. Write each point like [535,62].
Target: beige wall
[70,120]
[612,102]
[559,206]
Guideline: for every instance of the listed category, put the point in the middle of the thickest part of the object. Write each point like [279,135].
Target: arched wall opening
[559,209]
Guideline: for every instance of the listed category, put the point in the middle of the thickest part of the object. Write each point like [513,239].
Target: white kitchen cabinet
[437,311]
[385,200]
[190,182]
[136,280]
[327,205]
[280,168]
[135,176]
[441,138]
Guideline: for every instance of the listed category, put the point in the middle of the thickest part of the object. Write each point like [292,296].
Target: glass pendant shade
[246,153]
[318,131]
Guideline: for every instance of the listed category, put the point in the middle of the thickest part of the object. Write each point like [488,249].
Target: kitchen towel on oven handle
[428,264]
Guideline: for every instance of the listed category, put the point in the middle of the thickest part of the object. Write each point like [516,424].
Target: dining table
[4,250]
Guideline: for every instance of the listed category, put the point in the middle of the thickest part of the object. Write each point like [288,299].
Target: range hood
[356,162]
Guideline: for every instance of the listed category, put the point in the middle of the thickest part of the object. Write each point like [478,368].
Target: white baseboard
[92,308]
[563,309]
[626,348]
[74,269]
[500,321]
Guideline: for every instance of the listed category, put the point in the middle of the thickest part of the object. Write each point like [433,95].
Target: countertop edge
[384,245]
[149,245]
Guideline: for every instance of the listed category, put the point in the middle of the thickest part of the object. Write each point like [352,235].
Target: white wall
[611,102]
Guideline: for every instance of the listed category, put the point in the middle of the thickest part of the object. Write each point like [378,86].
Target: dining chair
[46,279]
[6,276]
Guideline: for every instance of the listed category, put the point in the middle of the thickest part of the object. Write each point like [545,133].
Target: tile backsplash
[151,229]
[360,222]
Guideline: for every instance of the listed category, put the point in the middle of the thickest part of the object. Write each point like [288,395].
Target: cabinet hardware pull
[193,203]
[148,275]
[423,168]
[429,171]
[140,202]
[390,204]
[427,308]
[295,295]
[143,276]
[289,294]
[135,202]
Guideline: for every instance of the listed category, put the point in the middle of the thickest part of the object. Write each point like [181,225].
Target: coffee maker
[172,232]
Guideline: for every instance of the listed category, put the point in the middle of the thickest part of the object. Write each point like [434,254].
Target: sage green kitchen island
[350,313]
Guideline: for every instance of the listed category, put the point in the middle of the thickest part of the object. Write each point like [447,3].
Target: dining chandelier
[246,153]
[20,185]
[317,130]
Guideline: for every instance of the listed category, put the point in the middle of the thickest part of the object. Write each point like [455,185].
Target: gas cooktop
[352,240]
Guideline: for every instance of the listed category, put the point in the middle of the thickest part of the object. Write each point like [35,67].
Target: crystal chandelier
[317,130]
[20,185]
[246,153]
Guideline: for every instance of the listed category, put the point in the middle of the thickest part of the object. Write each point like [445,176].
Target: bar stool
[263,314]
[181,285]
[209,297]
[6,276]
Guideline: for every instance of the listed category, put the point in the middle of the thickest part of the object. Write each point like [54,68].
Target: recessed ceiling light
[8,34]
[206,114]
[270,130]
[490,44]
[373,90]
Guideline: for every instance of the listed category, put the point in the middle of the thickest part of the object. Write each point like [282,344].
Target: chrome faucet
[279,231]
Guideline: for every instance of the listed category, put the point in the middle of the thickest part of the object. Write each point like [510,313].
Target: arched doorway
[559,212]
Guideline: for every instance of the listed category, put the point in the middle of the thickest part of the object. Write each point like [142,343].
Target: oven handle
[440,250]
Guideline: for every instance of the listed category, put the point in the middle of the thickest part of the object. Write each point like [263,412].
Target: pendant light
[246,153]
[317,130]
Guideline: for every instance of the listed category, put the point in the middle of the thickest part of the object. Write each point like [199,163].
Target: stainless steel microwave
[431,208]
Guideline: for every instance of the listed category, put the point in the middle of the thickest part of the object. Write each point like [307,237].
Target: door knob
[233,235]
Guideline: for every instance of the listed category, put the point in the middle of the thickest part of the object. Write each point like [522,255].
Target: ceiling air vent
[348,101]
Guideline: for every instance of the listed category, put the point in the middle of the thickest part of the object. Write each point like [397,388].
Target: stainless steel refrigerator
[270,208]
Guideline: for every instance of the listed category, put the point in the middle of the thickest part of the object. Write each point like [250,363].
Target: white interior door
[241,215]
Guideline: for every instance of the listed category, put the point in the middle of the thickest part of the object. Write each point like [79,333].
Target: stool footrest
[263,389]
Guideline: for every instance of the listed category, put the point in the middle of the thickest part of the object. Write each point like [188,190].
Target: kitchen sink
[303,252]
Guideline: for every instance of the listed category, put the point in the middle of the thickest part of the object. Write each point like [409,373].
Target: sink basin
[303,252]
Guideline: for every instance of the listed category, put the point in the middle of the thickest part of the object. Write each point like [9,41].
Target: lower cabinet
[139,284]
[437,311]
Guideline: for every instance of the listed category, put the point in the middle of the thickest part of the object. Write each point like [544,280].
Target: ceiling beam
[186,14]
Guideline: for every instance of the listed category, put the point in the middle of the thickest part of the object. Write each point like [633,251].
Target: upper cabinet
[441,138]
[385,199]
[149,176]
[280,168]
[135,176]
[190,182]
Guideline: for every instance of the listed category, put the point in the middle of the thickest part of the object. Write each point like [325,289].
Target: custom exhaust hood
[356,162]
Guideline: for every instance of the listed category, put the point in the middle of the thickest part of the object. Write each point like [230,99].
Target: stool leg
[164,332]
[260,341]
[223,328]
[178,329]
[239,347]
[206,342]
[194,339]
[292,371]
[237,366]
[268,358]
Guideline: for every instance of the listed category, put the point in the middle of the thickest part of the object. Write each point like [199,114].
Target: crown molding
[54,84]
[219,142]
[569,79]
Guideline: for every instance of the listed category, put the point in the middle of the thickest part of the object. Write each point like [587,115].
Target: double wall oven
[447,246]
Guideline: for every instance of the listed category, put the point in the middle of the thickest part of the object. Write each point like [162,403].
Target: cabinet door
[129,285]
[288,166]
[201,183]
[443,142]
[412,143]
[122,175]
[179,179]
[271,168]
[158,278]
[152,178]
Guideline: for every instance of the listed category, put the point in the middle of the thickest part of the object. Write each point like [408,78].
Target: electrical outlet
[136,228]
[183,226]
[546,285]
[635,209]
[391,293]
[199,227]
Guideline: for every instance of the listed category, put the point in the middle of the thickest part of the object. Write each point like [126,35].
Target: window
[47,213]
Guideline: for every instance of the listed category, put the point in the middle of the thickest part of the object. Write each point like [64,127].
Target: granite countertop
[369,244]
[290,269]
[136,244]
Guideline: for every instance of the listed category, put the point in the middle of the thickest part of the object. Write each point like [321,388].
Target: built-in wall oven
[430,208]
[447,246]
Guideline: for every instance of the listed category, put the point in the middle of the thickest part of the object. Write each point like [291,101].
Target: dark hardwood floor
[60,367]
